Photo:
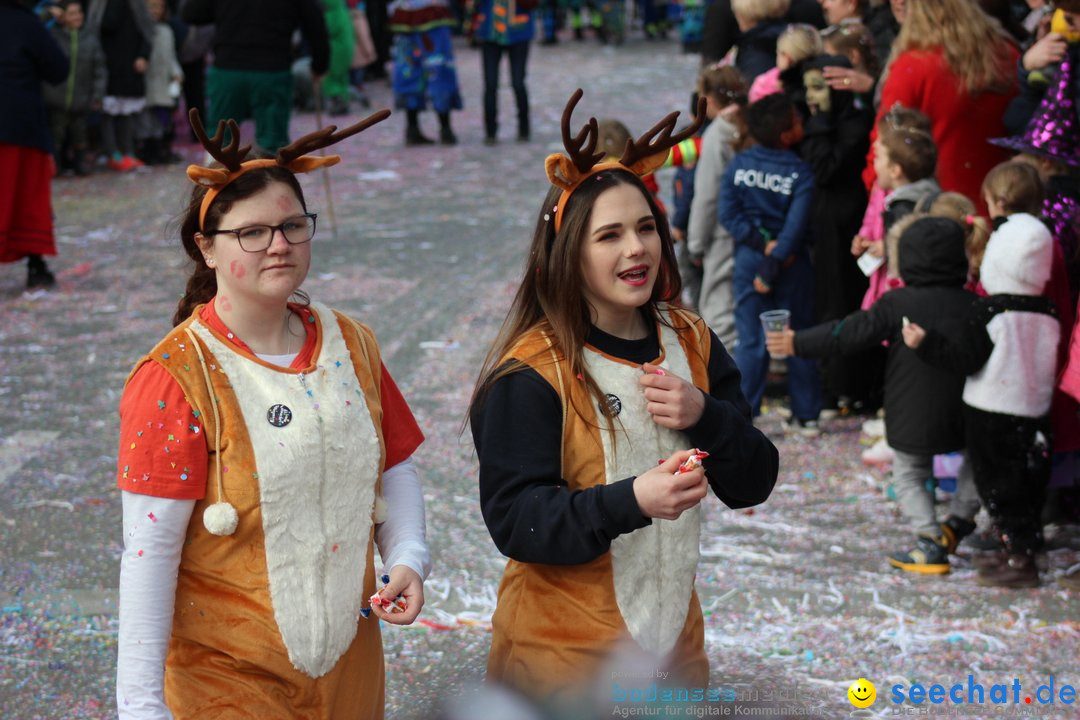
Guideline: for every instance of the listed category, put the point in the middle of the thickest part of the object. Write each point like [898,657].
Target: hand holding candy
[398,604]
[913,334]
[667,490]
[672,402]
[402,597]
[693,462]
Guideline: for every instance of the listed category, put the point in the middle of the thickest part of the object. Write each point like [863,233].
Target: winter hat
[1018,257]
[1052,131]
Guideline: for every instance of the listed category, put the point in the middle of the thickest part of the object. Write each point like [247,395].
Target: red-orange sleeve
[399,428]
[162,445]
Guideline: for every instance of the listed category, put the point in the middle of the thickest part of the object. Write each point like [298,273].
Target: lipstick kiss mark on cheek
[223,303]
[237,269]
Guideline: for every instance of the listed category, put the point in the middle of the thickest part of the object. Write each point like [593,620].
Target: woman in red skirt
[28,57]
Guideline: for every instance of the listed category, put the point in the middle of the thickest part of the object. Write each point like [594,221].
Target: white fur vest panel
[317,476]
[653,567]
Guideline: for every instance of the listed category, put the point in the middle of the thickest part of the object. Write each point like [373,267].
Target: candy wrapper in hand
[398,604]
[693,462]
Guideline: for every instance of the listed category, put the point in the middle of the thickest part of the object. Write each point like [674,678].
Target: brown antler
[581,147]
[230,155]
[326,137]
[658,138]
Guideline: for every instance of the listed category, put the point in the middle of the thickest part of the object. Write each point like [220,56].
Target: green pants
[266,97]
[342,44]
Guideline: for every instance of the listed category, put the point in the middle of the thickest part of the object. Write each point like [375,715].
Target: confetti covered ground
[429,241]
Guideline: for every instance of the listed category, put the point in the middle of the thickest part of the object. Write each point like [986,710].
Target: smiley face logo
[862,693]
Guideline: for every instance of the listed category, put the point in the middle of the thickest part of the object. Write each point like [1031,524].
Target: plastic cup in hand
[774,321]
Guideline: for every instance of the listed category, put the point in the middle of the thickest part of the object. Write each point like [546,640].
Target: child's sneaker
[806,428]
[929,557]
[955,529]
[878,454]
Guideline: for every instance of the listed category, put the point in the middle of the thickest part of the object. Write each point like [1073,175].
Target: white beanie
[1018,257]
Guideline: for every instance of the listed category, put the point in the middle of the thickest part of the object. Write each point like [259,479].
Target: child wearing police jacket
[765,204]
[594,376]
[1009,352]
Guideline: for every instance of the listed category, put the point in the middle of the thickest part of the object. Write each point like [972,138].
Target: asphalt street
[425,245]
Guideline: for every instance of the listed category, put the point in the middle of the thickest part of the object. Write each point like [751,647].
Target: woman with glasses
[264,452]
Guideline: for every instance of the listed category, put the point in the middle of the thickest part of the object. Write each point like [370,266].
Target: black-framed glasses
[256,238]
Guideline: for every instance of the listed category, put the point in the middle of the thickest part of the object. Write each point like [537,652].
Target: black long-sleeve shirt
[530,511]
[257,34]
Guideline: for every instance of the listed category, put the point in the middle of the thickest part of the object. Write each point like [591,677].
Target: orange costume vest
[555,626]
[267,620]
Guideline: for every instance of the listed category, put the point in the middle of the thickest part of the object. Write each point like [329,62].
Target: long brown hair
[202,283]
[550,296]
[975,45]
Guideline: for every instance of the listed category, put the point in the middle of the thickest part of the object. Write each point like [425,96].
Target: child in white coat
[1009,352]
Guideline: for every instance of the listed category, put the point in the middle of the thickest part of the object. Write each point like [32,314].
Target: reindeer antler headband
[641,156]
[291,156]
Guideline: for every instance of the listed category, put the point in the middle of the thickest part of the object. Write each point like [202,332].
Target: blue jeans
[793,291]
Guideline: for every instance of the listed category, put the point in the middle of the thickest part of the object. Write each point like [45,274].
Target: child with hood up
[923,408]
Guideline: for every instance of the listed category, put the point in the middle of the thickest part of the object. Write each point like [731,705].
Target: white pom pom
[220,518]
[380,509]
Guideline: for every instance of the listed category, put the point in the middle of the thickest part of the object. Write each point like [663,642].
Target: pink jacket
[873,229]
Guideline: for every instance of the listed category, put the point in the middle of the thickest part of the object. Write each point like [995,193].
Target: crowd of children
[122,86]
[961,294]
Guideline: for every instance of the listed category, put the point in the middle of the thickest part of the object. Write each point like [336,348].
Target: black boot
[338,106]
[523,130]
[1014,570]
[146,152]
[413,136]
[37,273]
[82,169]
[446,133]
